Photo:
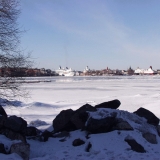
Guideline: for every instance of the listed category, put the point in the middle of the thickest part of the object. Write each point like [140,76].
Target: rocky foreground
[142,125]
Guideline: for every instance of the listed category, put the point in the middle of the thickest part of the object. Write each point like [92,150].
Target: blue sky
[97,33]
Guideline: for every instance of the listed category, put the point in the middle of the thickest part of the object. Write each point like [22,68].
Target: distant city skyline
[96,33]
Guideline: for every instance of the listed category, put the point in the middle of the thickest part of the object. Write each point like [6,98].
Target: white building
[86,70]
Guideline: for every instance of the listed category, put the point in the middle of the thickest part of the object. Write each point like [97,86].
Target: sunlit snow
[47,99]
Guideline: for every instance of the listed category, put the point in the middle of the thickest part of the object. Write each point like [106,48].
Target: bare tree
[12,58]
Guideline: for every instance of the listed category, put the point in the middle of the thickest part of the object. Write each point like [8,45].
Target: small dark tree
[12,58]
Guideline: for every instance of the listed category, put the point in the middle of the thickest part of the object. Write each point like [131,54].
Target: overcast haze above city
[95,33]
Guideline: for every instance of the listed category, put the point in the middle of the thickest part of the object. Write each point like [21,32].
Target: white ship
[65,71]
[149,71]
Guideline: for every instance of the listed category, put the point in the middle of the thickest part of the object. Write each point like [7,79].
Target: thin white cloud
[95,23]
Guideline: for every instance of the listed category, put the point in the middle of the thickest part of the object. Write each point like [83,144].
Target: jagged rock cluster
[107,121]
[101,118]
[15,128]
[69,120]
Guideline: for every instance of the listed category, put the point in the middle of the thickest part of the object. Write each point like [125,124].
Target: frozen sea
[47,99]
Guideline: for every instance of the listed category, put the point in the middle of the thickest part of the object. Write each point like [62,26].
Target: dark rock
[89,146]
[32,131]
[62,121]
[46,134]
[151,118]
[12,135]
[78,142]
[16,124]
[100,125]
[135,146]
[158,130]
[61,134]
[121,125]
[80,116]
[151,138]
[37,138]
[22,149]
[113,114]
[62,140]
[2,111]
[2,121]
[2,149]
[114,104]
[87,135]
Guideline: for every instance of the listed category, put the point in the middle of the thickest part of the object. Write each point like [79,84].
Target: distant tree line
[25,72]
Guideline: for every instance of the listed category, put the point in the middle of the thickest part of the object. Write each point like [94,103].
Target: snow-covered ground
[47,99]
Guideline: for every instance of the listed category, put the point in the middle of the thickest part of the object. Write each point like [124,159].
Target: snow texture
[49,98]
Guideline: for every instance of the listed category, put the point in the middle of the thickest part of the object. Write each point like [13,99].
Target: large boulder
[100,125]
[151,118]
[32,131]
[13,135]
[2,111]
[16,124]
[80,116]
[62,121]
[114,104]
[22,149]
